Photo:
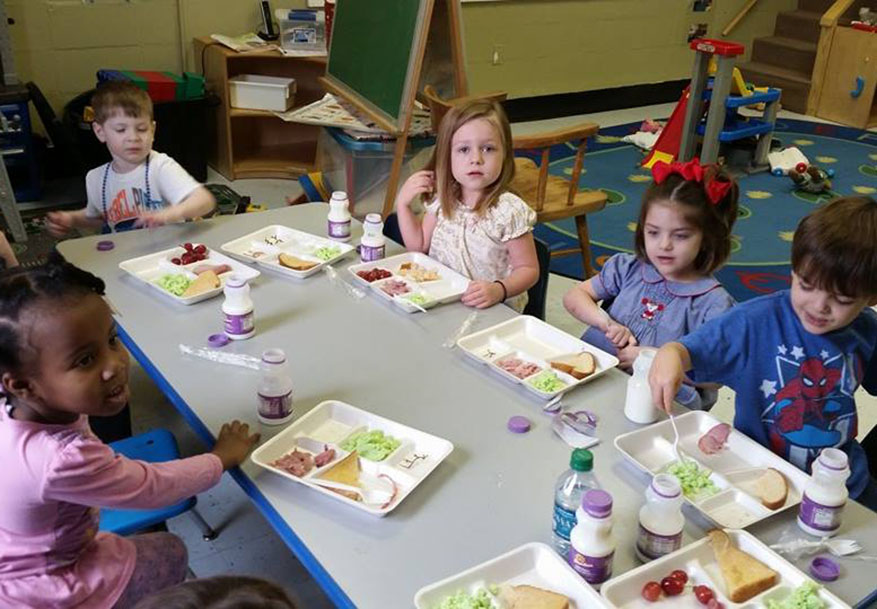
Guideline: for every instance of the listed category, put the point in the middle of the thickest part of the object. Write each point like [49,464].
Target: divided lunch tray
[436,284]
[329,424]
[532,341]
[734,468]
[698,560]
[534,564]
[152,267]
[265,245]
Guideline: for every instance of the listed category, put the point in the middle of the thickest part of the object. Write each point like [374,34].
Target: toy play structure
[708,109]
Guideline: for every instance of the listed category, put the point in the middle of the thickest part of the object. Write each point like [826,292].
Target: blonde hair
[447,188]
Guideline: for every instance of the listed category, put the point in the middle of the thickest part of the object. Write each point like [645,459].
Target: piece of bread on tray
[531,597]
[578,365]
[294,263]
[205,282]
[772,489]
[744,575]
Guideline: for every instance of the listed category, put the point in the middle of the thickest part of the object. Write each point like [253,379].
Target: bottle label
[651,545]
[339,230]
[236,325]
[276,406]
[594,569]
[818,516]
[369,253]
[564,521]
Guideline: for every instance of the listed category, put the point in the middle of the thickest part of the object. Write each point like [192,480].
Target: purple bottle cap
[597,503]
[519,424]
[218,340]
[824,569]
[105,246]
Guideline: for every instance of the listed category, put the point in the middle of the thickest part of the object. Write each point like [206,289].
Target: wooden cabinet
[256,143]
[850,81]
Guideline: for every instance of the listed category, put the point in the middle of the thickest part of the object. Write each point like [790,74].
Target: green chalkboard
[373,47]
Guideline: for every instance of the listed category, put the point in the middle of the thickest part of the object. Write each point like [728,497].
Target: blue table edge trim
[319,573]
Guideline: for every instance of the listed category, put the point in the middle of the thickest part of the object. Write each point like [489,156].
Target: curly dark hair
[22,288]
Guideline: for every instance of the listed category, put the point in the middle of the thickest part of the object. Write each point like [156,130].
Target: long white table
[493,493]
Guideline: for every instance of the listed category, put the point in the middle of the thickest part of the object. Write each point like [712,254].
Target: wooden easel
[436,59]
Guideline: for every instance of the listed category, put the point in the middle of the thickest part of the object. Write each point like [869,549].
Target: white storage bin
[256,92]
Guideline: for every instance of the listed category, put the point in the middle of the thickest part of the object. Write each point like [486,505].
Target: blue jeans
[868,498]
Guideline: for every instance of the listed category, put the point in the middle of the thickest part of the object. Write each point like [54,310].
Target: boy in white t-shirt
[139,187]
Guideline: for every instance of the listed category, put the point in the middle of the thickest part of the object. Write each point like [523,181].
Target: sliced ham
[297,463]
[714,440]
[324,457]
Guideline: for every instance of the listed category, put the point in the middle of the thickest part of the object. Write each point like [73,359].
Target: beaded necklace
[103,189]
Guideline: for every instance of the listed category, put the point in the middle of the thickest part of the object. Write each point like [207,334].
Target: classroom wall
[544,46]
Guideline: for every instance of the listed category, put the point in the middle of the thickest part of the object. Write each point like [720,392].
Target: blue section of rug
[770,208]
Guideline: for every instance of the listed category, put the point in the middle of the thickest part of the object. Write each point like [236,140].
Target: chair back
[537,294]
[438,106]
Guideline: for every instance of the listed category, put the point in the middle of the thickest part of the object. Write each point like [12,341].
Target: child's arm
[525,273]
[199,202]
[668,370]
[581,302]
[88,472]
[60,223]
[6,252]
[416,234]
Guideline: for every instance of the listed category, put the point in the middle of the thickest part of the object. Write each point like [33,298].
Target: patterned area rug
[770,207]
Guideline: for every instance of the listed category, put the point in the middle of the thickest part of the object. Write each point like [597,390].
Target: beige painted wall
[546,46]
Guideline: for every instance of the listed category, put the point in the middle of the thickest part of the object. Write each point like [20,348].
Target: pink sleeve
[88,472]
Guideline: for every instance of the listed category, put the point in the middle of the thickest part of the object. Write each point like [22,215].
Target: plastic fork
[553,406]
[843,547]
[409,302]
[676,450]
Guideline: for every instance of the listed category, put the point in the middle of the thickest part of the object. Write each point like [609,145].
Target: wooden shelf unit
[256,143]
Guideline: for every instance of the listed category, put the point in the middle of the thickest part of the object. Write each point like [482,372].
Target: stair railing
[827,27]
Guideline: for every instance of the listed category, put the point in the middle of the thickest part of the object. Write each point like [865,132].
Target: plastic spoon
[553,406]
[376,496]
[410,302]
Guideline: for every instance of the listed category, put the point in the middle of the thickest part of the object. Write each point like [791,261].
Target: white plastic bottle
[275,389]
[592,544]
[825,495]
[339,216]
[372,244]
[568,491]
[660,519]
[237,309]
[638,405]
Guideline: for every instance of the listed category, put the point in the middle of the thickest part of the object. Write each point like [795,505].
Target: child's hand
[620,335]
[665,377]
[420,183]
[156,218]
[59,223]
[234,443]
[482,294]
[626,355]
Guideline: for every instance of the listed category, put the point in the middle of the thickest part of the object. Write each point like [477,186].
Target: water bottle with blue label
[568,492]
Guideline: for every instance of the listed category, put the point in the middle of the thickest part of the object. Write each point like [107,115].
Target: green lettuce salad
[371,445]
[805,596]
[694,480]
[480,599]
[175,284]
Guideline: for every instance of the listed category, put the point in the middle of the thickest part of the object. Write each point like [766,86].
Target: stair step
[788,53]
[820,6]
[801,25]
[795,85]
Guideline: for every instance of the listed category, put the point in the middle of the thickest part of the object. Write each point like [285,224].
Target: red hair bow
[692,170]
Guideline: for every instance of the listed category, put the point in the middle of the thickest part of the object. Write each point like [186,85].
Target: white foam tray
[330,423]
[448,288]
[150,268]
[265,245]
[534,564]
[533,340]
[698,560]
[734,506]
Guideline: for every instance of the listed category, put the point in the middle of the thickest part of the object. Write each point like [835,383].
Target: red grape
[704,594]
[652,591]
[201,249]
[714,604]
[188,247]
[672,586]
[176,261]
[680,575]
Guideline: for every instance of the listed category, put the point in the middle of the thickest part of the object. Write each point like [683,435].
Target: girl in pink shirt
[61,362]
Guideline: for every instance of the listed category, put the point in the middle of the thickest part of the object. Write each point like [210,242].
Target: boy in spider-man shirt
[796,357]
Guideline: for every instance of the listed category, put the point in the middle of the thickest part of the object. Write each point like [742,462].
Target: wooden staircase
[786,59]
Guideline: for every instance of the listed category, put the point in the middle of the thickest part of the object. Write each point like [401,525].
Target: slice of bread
[531,597]
[296,264]
[579,365]
[772,488]
[744,575]
[346,471]
[205,282]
